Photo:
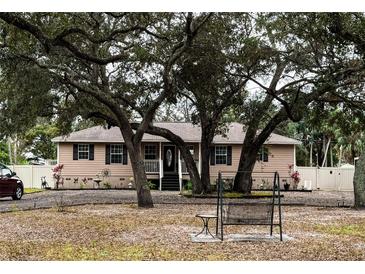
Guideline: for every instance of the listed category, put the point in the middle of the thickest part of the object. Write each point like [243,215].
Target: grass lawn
[32,190]
[124,232]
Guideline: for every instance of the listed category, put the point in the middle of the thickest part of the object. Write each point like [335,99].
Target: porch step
[170,182]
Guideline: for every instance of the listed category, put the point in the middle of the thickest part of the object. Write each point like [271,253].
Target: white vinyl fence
[323,178]
[31,174]
[327,178]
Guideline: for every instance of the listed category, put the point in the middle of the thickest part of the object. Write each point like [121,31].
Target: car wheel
[18,193]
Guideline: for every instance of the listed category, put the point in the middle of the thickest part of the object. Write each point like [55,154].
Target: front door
[169,162]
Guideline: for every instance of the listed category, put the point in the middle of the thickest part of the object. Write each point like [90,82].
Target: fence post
[31,176]
[317,171]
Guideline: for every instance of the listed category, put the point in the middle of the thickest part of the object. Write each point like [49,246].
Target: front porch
[163,162]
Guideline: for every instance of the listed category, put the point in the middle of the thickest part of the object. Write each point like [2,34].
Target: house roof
[187,131]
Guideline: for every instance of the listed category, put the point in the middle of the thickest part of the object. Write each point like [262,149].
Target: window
[221,155]
[116,154]
[191,149]
[4,171]
[83,152]
[263,155]
[150,152]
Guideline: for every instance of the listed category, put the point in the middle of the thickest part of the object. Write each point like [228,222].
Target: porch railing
[152,166]
[184,169]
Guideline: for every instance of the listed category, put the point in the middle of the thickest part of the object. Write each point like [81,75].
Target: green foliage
[38,140]
[342,124]
[24,96]
[151,185]
[257,68]
[32,190]
[107,185]
[357,230]
[4,153]
[189,185]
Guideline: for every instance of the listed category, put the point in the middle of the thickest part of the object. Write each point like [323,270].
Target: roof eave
[54,140]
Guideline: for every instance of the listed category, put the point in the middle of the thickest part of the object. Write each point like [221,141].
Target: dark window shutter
[229,155]
[107,154]
[212,156]
[91,152]
[76,152]
[266,154]
[125,155]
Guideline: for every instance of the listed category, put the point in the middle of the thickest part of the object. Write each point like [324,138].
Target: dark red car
[10,184]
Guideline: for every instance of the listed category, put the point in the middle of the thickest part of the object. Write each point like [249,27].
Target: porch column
[295,159]
[200,160]
[160,166]
[179,169]
[58,153]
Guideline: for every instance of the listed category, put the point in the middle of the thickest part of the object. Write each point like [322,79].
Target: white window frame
[116,153]
[145,148]
[221,154]
[83,151]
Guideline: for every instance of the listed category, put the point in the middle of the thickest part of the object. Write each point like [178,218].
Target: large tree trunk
[205,166]
[243,182]
[250,148]
[191,167]
[359,183]
[205,142]
[140,178]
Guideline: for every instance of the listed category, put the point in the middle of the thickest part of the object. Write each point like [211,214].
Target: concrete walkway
[53,198]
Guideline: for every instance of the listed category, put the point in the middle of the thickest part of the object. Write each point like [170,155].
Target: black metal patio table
[205,218]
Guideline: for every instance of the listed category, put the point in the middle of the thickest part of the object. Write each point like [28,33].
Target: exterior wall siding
[280,157]
[120,174]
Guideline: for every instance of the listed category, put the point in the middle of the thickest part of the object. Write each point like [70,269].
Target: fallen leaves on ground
[125,232]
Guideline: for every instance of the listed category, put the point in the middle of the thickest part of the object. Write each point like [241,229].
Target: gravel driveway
[51,198]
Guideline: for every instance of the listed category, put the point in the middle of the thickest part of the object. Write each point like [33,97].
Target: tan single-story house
[90,153]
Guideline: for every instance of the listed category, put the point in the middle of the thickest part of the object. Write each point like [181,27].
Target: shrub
[151,185]
[189,185]
[60,204]
[107,185]
[57,174]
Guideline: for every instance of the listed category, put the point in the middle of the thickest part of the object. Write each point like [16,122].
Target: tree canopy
[125,69]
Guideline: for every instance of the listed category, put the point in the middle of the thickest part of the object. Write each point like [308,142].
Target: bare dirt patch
[124,232]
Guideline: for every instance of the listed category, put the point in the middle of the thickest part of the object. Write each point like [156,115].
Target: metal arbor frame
[223,209]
